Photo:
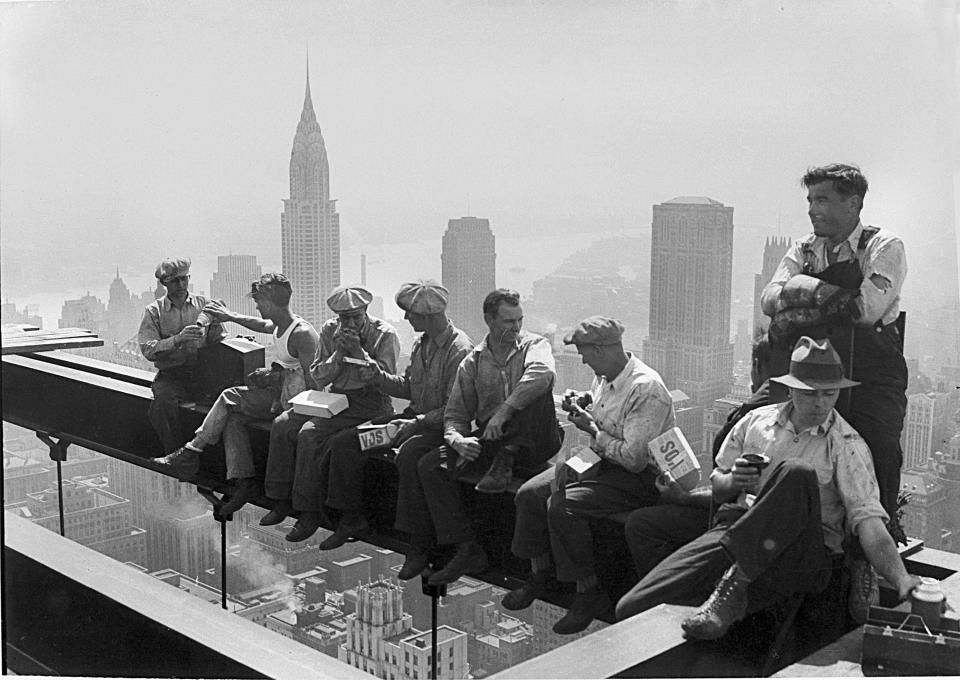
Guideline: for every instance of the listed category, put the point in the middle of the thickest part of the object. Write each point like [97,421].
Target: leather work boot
[183,462]
[469,559]
[305,527]
[344,531]
[499,475]
[586,606]
[417,560]
[246,490]
[726,605]
[536,586]
[278,514]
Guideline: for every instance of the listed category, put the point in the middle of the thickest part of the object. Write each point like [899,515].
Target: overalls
[874,357]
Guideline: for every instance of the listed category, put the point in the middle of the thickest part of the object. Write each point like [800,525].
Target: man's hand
[217,310]
[406,428]
[906,586]
[191,333]
[370,374]
[583,420]
[348,341]
[670,491]
[745,476]
[496,425]
[468,448]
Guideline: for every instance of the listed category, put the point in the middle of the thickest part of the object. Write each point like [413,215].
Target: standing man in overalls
[843,283]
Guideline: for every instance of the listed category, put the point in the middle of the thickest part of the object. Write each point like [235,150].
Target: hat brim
[839,384]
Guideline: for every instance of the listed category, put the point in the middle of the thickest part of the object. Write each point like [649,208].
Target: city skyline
[507,125]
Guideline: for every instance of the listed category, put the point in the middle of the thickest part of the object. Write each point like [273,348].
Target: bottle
[927,601]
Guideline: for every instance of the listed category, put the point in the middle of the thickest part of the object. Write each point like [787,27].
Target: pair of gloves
[807,301]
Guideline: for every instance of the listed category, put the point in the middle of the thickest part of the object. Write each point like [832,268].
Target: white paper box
[673,454]
[319,404]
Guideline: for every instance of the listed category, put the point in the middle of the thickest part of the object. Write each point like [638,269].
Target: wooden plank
[26,346]
[17,340]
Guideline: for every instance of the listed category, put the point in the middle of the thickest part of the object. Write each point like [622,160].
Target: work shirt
[378,342]
[849,492]
[884,257]
[483,384]
[162,320]
[430,374]
[630,410]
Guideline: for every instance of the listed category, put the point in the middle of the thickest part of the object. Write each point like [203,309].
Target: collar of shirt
[783,420]
[852,241]
[166,304]
[622,377]
[444,337]
[484,347]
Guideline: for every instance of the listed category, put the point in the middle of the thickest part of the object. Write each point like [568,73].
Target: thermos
[927,601]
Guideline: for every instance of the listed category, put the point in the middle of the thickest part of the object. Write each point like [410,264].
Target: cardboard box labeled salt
[674,455]
[319,404]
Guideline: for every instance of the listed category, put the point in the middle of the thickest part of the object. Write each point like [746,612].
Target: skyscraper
[231,281]
[690,273]
[773,251]
[469,272]
[310,224]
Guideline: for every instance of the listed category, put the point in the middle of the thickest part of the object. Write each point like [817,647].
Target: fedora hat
[815,365]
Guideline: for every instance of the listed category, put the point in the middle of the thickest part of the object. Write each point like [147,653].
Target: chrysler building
[310,224]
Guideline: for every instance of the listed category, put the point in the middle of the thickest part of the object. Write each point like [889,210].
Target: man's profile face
[813,406]
[590,355]
[417,321]
[264,306]
[177,285]
[354,320]
[506,324]
[831,213]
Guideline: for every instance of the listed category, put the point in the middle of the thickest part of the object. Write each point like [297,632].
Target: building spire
[307,99]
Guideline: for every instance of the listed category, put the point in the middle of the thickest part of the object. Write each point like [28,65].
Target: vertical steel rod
[223,562]
[60,496]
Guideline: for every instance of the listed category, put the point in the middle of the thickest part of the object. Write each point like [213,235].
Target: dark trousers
[437,510]
[653,533]
[778,543]
[171,387]
[558,521]
[342,463]
[295,459]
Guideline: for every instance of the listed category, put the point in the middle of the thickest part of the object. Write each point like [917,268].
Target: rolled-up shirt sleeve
[326,367]
[790,266]
[539,374]
[646,418]
[152,346]
[884,272]
[462,403]
[857,484]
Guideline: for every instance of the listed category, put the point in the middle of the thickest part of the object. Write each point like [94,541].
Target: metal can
[927,601]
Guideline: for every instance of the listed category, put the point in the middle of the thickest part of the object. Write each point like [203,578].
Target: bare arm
[219,311]
[303,345]
[882,554]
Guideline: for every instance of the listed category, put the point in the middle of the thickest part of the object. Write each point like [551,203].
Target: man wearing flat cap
[171,332]
[294,465]
[627,407]
[268,390]
[505,384]
[434,358]
[791,480]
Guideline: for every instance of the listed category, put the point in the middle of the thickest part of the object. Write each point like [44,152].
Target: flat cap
[349,299]
[422,297]
[595,330]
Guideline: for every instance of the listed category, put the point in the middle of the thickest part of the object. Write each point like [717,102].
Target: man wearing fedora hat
[629,406]
[843,282]
[293,476]
[780,527]
[434,358]
[290,356]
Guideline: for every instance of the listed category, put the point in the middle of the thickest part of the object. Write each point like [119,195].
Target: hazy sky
[133,130]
